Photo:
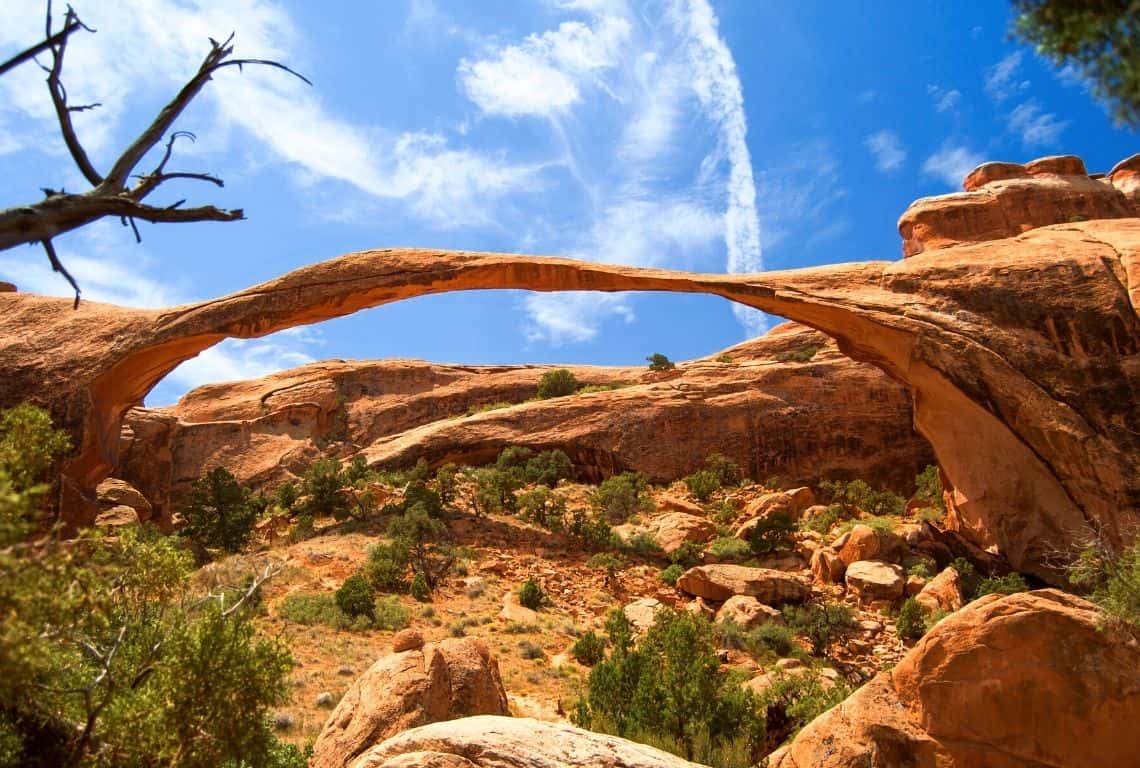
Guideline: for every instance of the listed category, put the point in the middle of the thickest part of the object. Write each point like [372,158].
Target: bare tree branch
[61,212]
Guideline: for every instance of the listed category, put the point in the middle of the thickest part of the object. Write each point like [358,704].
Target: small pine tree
[219,513]
[355,597]
[557,383]
[658,362]
[531,595]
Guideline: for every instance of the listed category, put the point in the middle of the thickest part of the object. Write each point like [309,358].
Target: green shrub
[557,383]
[589,649]
[774,637]
[387,567]
[548,467]
[543,507]
[726,470]
[495,486]
[822,624]
[687,555]
[445,484]
[607,387]
[823,522]
[702,484]
[642,544]
[771,534]
[796,700]
[671,574]
[531,651]
[730,548]
[911,621]
[311,608]
[605,561]
[303,529]
[1010,584]
[722,512]
[219,513]
[531,595]
[322,486]
[928,488]
[1113,581]
[417,531]
[968,578]
[669,690]
[857,495]
[621,496]
[724,358]
[799,355]
[921,570]
[389,614]
[286,496]
[592,530]
[658,362]
[355,597]
[419,588]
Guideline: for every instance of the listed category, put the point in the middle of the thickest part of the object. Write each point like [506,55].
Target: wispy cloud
[887,149]
[951,164]
[1003,81]
[1034,127]
[800,193]
[944,100]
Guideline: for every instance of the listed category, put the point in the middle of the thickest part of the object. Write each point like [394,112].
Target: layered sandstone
[1022,355]
[1026,680]
[826,417]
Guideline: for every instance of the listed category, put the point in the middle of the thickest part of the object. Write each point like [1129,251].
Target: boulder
[747,611]
[114,495]
[720,582]
[866,543]
[826,567]
[942,593]
[789,503]
[1007,682]
[674,529]
[454,678]
[512,742]
[670,503]
[642,613]
[875,580]
[513,610]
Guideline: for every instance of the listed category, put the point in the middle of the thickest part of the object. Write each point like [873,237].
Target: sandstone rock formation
[875,580]
[452,679]
[866,543]
[1020,353]
[828,417]
[747,611]
[512,742]
[1007,682]
[674,529]
[720,582]
[942,593]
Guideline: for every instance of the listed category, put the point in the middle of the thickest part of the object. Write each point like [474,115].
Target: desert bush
[531,595]
[726,470]
[445,485]
[824,521]
[669,690]
[531,651]
[730,548]
[322,484]
[671,574]
[858,495]
[543,507]
[605,561]
[796,700]
[659,362]
[687,555]
[771,636]
[219,512]
[920,569]
[589,649]
[1010,584]
[419,588]
[548,467]
[1112,579]
[968,577]
[702,484]
[286,496]
[619,497]
[771,534]
[387,567]
[641,544]
[928,488]
[591,529]
[911,620]
[355,597]
[822,624]
[798,355]
[418,532]
[557,383]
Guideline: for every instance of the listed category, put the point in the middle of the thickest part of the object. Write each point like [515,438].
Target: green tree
[531,595]
[1100,38]
[356,598]
[322,486]
[911,621]
[771,533]
[726,470]
[445,484]
[417,531]
[702,484]
[658,362]
[928,488]
[822,624]
[548,467]
[589,649]
[621,496]
[557,383]
[219,513]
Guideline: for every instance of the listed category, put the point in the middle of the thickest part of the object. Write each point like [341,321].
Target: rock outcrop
[1004,683]
[1022,356]
[512,742]
[419,685]
[827,417]
[720,582]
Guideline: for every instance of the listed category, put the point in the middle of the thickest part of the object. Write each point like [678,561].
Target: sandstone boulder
[867,543]
[642,613]
[1006,682]
[674,529]
[512,742]
[722,581]
[790,504]
[875,580]
[748,612]
[451,679]
[826,567]
[121,503]
[942,593]
[675,504]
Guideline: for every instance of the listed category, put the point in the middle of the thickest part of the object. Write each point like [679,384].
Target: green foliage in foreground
[669,691]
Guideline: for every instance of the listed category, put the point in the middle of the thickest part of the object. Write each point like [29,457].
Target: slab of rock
[454,678]
[115,498]
[512,742]
[826,567]
[874,580]
[513,610]
[675,504]
[942,593]
[748,612]
[1005,682]
[674,529]
[865,543]
[722,581]
[642,613]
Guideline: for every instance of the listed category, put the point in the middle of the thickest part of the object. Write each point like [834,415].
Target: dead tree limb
[114,194]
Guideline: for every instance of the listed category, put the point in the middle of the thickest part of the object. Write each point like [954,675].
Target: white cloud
[544,73]
[1036,128]
[951,164]
[888,150]
[232,360]
[944,100]
[1002,80]
[799,195]
[572,317]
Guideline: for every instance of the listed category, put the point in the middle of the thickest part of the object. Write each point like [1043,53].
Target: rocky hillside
[787,405]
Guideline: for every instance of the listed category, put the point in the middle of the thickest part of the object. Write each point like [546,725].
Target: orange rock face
[829,417]
[1006,682]
[1022,354]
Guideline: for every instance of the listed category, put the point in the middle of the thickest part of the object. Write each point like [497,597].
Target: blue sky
[709,135]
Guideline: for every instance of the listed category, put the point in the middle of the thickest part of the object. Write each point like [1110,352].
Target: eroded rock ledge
[1022,356]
